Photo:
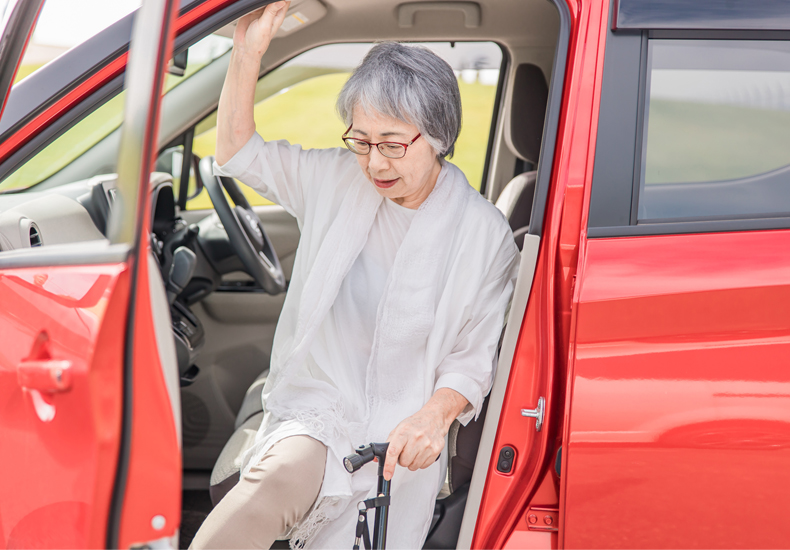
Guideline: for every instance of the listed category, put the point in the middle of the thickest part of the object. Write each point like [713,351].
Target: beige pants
[269,500]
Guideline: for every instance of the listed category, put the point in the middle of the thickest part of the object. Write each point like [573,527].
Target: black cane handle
[365,454]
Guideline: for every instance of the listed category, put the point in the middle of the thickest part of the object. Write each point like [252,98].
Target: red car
[639,149]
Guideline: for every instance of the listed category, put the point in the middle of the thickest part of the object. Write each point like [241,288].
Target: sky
[67,23]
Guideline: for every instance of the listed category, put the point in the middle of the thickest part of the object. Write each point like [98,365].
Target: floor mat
[195,507]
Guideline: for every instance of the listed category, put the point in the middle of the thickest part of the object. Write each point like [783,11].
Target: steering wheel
[244,229]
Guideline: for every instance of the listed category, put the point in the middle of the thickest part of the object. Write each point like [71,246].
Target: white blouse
[385,306]
[346,335]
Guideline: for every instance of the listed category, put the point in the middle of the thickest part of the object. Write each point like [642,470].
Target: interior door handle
[47,375]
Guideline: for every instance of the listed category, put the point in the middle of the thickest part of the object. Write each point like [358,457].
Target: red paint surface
[153,485]
[65,445]
[60,449]
[61,106]
[541,355]
[680,419]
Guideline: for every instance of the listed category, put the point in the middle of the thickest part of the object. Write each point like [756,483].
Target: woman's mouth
[384,184]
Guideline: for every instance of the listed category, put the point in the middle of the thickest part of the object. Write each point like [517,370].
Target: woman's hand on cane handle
[417,442]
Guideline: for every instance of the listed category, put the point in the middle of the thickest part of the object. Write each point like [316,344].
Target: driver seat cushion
[226,470]
[252,403]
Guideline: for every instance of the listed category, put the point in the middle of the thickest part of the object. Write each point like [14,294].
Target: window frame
[504,66]
[621,129]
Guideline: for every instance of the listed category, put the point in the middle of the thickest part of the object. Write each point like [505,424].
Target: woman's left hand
[417,441]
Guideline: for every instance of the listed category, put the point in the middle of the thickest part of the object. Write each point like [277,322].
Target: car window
[296,102]
[91,129]
[63,24]
[716,130]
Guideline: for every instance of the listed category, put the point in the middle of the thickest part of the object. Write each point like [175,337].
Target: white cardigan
[437,325]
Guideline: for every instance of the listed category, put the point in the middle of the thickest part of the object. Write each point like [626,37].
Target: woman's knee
[299,456]
[291,474]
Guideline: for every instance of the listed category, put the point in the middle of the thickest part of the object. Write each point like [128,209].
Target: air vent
[35,237]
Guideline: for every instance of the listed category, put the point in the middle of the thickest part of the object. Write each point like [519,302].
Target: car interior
[225,265]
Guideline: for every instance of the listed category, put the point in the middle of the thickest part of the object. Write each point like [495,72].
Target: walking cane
[380,502]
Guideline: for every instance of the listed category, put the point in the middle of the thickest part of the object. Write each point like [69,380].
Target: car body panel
[59,381]
[680,412]
[545,331]
[149,457]
[153,482]
[61,446]
[73,350]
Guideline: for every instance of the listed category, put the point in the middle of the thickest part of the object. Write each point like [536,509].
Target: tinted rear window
[716,140]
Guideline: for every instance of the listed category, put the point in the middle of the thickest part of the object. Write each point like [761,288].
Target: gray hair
[409,83]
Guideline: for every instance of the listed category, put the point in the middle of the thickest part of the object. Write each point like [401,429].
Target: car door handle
[47,375]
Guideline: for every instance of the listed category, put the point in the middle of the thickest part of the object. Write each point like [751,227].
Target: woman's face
[409,180]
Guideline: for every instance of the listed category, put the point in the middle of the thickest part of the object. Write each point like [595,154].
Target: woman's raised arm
[235,122]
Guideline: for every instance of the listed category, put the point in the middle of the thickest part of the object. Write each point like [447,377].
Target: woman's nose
[377,160]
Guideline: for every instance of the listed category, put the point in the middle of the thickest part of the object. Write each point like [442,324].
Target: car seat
[527,114]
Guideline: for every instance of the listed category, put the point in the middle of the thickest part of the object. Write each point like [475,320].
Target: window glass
[63,24]
[717,129]
[106,119]
[296,102]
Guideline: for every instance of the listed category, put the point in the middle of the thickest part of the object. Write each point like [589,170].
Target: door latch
[537,413]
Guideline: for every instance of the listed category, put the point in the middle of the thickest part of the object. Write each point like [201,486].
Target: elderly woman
[394,310]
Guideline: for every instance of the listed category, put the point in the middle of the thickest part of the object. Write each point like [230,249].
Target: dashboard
[75,212]
[80,212]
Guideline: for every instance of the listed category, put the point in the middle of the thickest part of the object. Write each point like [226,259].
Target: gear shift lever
[181,271]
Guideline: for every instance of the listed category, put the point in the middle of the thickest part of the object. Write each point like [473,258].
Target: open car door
[88,415]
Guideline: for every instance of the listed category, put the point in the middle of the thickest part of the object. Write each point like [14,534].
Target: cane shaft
[382,515]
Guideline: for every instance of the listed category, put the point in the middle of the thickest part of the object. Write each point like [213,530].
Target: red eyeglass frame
[370,144]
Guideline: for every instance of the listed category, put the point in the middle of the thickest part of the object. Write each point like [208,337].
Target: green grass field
[695,142]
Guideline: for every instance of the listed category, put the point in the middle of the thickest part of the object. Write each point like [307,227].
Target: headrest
[528,109]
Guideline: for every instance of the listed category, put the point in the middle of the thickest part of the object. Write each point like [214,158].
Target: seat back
[462,443]
[528,112]
[530,94]
[515,202]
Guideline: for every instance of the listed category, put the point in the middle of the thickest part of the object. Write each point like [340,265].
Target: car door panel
[69,438]
[146,505]
[680,402]
[87,413]
[62,333]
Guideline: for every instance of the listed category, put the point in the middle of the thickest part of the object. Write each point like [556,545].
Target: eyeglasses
[390,149]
